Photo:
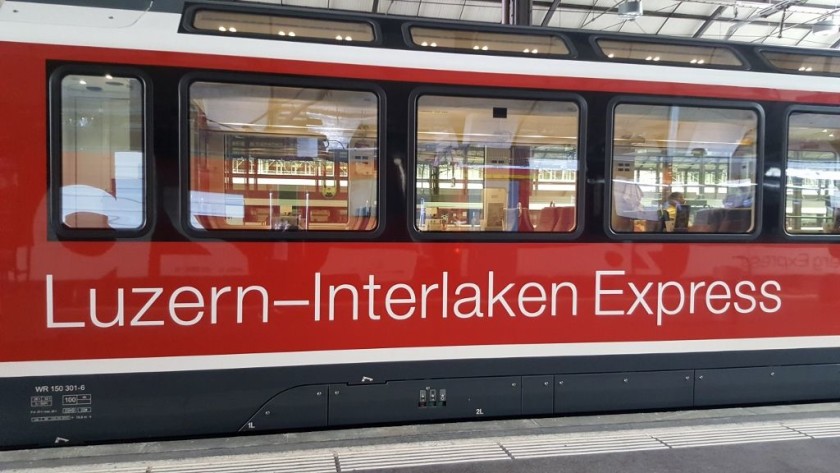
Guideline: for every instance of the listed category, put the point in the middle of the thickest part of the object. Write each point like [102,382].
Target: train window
[672,54]
[496,165]
[489,42]
[803,63]
[812,189]
[683,169]
[271,158]
[283,27]
[102,156]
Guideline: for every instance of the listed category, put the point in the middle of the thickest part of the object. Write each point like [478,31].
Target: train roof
[259,20]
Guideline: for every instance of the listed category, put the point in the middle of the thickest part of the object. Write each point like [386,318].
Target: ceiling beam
[550,12]
[763,13]
[668,17]
[655,14]
[706,24]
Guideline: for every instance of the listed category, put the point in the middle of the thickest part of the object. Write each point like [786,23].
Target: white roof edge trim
[160,33]
[67,15]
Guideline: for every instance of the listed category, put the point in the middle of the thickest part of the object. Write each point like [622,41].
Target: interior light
[694,61]
[281,33]
[232,29]
[347,38]
[801,68]
[424,43]
[109,76]
[656,58]
[292,33]
[434,45]
[809,69]
[82,82]
[526,50]
[484,48]
[339,37]
[701,61]
[611,55]
[222,28]
[475,47]
[648,58]
[534,51]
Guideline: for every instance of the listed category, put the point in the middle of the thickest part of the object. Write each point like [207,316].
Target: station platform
[789,438]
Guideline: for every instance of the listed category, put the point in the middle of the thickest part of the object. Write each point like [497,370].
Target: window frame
[495,93]
[59,229]
[783,183]
[489,29]
[683,236]
[264,80]
[804,53]
[190,11]
[599,51]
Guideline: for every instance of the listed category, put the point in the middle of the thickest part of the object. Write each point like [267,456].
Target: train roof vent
[282,27]
[486,42]
[673,54]
[803,62]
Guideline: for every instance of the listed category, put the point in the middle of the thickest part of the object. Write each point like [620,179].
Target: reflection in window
[282,27]
[674,54]
[803,62]
[683,169]
[102,155]
[812,189]
[488,42]
[282,158]
[496,165]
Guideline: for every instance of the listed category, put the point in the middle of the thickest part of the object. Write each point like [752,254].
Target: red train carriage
[221,218]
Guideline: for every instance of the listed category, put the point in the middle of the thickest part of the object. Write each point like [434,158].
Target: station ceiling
[775,22]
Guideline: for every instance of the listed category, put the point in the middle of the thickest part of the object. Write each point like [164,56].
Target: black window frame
[760,52]
[492,29]
[498,93]
[793,109]
[191,9]
[59,229]
[279,81]
[682,236]
[593,42]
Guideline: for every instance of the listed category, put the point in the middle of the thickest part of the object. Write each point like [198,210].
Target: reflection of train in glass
[221,218]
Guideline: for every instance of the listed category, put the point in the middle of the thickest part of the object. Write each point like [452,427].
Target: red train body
[184,326]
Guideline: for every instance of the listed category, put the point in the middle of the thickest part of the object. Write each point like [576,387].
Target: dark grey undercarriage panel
[104,408]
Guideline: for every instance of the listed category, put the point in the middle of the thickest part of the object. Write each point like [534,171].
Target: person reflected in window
[673,203]
[672,206]
[738,198]
[627,200]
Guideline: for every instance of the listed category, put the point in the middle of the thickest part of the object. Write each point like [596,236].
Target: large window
[812,189]
[683,169]
[270,158]
[496,165]
[102,156]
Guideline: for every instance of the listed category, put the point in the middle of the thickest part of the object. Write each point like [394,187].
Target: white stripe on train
[380,355]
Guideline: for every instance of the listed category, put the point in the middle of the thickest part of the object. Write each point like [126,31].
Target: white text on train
[614,295]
